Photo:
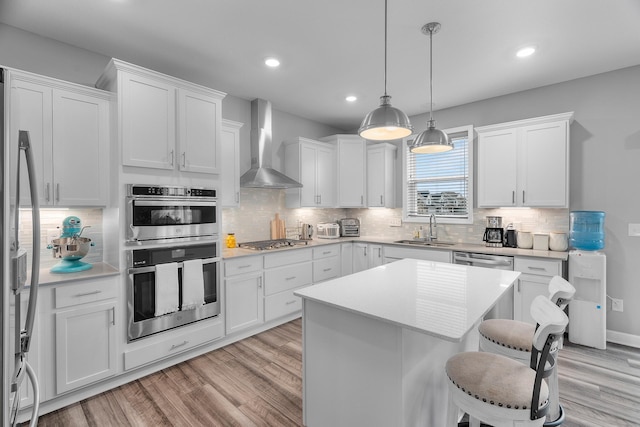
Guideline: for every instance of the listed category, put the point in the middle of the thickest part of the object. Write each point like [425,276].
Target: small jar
[231,240]
[558,241]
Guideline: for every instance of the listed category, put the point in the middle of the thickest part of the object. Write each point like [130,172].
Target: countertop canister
[524,240]
[558,241]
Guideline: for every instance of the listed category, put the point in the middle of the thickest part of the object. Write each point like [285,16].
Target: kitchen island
[375,343]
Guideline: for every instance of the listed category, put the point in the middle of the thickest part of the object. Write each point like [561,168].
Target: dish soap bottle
[231,240]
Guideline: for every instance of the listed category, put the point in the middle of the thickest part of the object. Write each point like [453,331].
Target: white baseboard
[623,338]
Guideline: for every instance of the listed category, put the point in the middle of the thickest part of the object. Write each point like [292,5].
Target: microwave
[158,214]
[328,230]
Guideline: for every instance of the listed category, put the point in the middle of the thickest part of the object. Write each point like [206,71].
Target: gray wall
[605,164]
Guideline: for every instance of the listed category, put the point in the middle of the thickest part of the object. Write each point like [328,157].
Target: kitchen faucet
[433,228]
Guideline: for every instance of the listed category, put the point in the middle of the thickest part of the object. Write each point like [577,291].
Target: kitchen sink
[424,243]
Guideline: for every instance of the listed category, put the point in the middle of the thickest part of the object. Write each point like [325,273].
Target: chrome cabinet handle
[381,200]
[513,197]
[326,269]
[326,252]
[537,268]
[244,266]
[259,282]
[48,195]
[362,200]
[290,302]
[84,294]
[57,192]
[184,159]
[174,346]
[113,316]
[171,156]
[290,278]
[522,196]
[365,251]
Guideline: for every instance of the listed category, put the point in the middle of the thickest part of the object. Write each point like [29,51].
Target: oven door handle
[138,270]
[173,202]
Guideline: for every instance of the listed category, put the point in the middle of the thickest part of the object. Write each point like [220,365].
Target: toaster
[328,230]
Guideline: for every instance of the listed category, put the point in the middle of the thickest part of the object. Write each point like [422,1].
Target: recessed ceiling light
[351,98]
[272,62]
[525,51]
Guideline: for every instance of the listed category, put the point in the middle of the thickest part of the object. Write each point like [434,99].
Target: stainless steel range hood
[261,174]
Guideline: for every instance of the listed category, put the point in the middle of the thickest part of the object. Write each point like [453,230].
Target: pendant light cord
[431,74]
[385,47]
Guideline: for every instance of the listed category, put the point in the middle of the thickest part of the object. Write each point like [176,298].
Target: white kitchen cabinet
[86,324]
[69,131]
[311,163]
[165,122]
[284,273]
[534,281]
[394,253]
[366,255]
[230,166]
[381,182]
[243,296]
[346,262]
[326,263]
[525,163]
[351,160]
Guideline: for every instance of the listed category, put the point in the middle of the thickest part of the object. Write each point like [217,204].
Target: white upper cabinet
[525,163]
[230,163]
[311,163]
[69,132]
[351,158]
[381,182]
[165,122]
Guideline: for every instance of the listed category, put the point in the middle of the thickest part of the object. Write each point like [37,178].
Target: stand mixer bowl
[70,248]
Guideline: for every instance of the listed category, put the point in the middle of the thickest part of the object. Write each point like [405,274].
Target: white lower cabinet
[326,263]
[284,273]
[85,317]
[394,253]
[534,281]
[366,255]
[243,293]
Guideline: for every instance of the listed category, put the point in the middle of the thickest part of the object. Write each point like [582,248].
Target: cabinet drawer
[285,278]
[541,267]
[326,251]
[242,265]
[281,304]
[326,268]
[84,292]
[170,346]
[290,256]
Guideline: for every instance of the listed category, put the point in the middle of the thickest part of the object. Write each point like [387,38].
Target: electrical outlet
[395,222]
[616,304]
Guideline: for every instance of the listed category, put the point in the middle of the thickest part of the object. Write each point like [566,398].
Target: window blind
[439,183]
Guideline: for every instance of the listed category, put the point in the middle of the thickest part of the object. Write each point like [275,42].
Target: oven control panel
[169,191]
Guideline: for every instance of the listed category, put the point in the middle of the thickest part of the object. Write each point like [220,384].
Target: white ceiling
[333,48]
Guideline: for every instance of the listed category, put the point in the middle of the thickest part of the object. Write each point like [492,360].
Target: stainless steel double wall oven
[169,226]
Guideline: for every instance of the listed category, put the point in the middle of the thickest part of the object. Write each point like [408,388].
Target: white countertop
[439,299]
[99,269]
[463,247]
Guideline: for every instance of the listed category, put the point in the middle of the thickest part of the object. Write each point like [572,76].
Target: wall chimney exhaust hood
[261,174]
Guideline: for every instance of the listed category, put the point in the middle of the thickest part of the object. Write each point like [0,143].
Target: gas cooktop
[262,245]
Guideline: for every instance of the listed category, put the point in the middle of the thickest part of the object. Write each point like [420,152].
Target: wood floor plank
[264,415]
[214,409]
[140,406]
[104,410]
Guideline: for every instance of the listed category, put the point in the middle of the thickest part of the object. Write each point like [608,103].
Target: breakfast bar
[375,343]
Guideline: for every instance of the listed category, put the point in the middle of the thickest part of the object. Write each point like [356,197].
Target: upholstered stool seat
[501,391]
[495,379]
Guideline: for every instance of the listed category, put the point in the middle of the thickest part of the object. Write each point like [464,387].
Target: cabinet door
[527,288]
[497,168]
[375,256]
[148,122]
[85,345]
[346,252]
[31,106]
[360,257]
[199,127]
[325,176]
[375,178]
[230,164]
[308,164]
[351,174]
[243,302]
[80,149]
[543,165]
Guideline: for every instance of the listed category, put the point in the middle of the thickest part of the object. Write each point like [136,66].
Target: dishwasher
[504,307]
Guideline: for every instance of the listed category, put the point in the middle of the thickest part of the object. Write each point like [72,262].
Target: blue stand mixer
[70,247]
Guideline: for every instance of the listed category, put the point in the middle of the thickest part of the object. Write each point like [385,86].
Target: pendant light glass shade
[431,140]
[385,123]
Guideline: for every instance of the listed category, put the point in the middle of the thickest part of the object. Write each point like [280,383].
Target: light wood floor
[257,382]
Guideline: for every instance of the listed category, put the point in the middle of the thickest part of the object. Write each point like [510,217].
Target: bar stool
[500,391]
[512,338]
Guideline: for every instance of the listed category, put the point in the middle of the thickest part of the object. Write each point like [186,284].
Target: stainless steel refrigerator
[17,294]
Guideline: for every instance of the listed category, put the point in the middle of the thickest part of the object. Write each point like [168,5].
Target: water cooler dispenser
[587,273]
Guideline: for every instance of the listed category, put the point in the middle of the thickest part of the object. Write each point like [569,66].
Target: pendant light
[431,140]
[385,123]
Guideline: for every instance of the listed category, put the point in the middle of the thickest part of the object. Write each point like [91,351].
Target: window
[441,184]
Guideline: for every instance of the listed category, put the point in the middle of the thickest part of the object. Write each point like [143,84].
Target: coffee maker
[494,233]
